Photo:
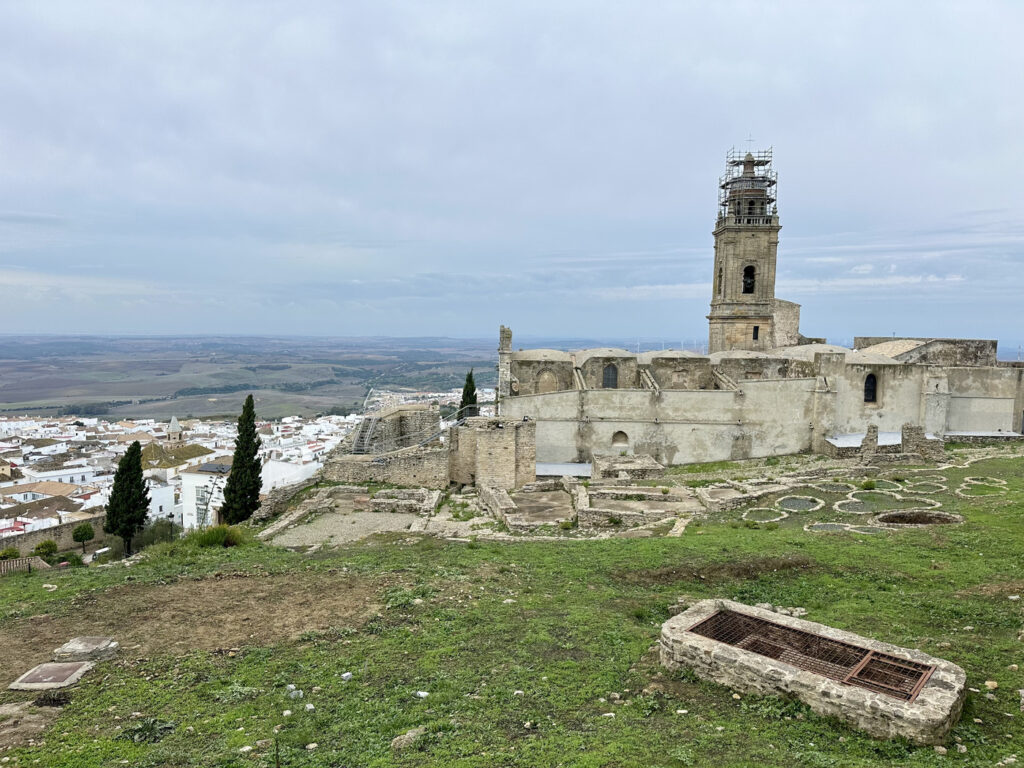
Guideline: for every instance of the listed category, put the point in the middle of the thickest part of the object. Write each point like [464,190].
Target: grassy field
[521,646]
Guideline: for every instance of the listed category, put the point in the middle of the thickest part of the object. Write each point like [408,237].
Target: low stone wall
[412,501]
[638,467]
[497,502]
[61,534]
[277,500]
[595,517]
[1005,437]
[925,720]
[424,467]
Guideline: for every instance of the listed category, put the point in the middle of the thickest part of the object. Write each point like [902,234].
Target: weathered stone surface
[926,720]
[51,675]
[86,648]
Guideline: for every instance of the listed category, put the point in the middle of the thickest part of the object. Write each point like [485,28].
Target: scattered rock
[310,707]
[296,694]
[408,738]
[941,750]
[286,713]
[346,676]
[245,749]
[49,587]
[312,745]
[422,694]
[508,601]
[86,648]
[517,693]
[1013,597]
[991,684]
[608,714]
[961,748]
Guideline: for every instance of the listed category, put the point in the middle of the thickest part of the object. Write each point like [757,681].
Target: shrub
[612,520]
[665,491]
[9,553]
[771,461]
[868,485]
[45,549]
[216,536]
[567,525]
[155,533]
[73,559]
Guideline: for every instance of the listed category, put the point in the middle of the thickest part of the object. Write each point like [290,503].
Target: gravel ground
[338,527]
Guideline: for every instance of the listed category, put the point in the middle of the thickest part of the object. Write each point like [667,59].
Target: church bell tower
[746,241]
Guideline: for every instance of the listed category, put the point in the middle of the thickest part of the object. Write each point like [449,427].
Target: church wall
[899,398]
[683,373]
[740,368]
[536,375]
[593,371]
[766,418]
[984,399]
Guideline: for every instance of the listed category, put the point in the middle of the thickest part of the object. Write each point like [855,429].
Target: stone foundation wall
[424,467]
[412,501]
[497,502]
[485,451]
[926,720]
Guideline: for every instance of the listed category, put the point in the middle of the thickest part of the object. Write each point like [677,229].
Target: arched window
[610,379]
[749,279]
[620,440]
[721,282]
[870,389]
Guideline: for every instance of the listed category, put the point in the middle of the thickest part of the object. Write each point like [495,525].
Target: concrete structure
[763,389]
[765,666]
[51,675]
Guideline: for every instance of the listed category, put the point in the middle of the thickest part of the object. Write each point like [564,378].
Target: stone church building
[763,389]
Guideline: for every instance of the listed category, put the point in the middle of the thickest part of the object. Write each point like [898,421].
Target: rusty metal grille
[836,660]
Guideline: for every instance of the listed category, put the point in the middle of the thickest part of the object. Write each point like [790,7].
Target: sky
[415,169]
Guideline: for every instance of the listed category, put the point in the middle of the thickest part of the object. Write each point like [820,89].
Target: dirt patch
[733,570]
[20,722]
[995,589]
[918,517]
[211,614]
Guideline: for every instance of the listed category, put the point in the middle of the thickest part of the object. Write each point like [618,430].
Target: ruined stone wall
[946,352]
[501,454]
[786,322]
[682,373]
[426,467]
[744,369]
[404,426]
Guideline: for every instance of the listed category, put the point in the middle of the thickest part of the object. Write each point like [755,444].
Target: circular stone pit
[904,518]
[834,487]
[800,503]
[764,515]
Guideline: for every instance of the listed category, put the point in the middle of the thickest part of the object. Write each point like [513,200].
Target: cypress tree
[468,397]
[242,490]
[129,499]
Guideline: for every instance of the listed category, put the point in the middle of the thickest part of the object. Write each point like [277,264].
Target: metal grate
[849,664]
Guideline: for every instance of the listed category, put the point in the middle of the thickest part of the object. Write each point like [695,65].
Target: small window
[620,440]
[757,330]
[610,378]
[870,389]
[749,279]
[721,282]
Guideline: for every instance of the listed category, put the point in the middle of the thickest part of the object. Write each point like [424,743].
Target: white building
[202,494]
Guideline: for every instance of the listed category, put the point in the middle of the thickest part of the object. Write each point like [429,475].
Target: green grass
[585,615]
[696,469]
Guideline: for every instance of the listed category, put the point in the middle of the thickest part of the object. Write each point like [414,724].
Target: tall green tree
[468,397]
[129,499]
[82,534]
[242,490]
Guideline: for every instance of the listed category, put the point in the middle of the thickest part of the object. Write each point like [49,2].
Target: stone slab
[51,675]
[927,719]
[86,648]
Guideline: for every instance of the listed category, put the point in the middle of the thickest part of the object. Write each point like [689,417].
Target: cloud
[402,168]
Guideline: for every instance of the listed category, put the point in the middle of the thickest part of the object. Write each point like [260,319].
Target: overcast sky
[438,168]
